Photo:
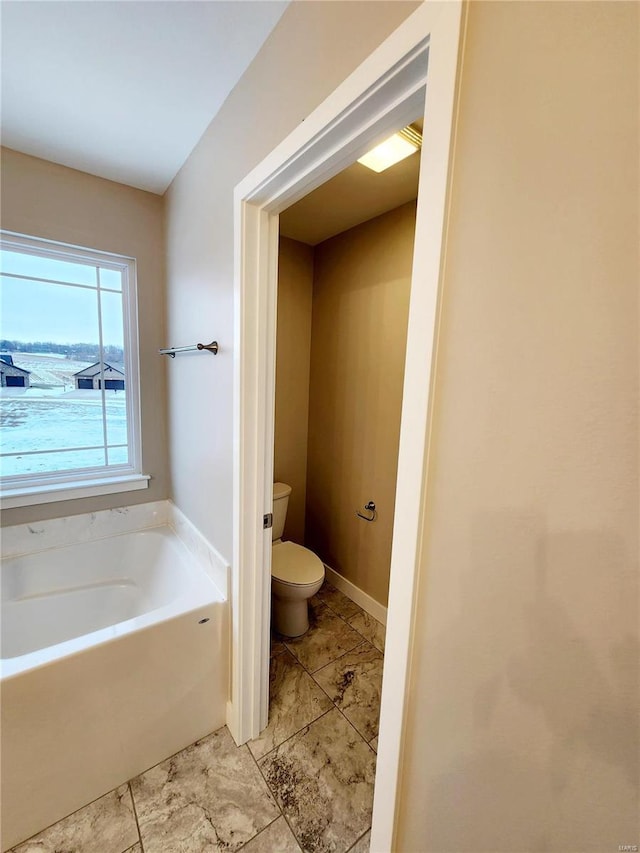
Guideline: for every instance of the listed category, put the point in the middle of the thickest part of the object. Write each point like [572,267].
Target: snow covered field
[37,419]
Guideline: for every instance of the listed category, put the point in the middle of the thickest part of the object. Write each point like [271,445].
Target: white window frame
[25,490]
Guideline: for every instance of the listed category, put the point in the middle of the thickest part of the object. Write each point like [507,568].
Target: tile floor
[305,784]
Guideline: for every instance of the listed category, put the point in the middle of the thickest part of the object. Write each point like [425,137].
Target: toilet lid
[294,564]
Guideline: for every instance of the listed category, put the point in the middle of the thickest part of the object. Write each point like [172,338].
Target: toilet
[296,573]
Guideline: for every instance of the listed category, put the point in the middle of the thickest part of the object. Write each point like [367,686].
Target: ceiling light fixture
[403,143]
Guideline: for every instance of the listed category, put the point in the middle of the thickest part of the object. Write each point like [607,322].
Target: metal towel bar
[171,351]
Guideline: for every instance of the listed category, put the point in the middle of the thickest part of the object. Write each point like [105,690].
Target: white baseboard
[370,605]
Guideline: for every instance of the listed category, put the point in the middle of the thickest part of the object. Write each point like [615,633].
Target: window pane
[112,327]
[47,411]
[114,375]
[32,311]
[38,267]
[116,409]
[118,455]
[64,395]
[110,278]
[48,463]
[50,423]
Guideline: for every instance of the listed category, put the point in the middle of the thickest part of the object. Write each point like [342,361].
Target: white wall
[312,49]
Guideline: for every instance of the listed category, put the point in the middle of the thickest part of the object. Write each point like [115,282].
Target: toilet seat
[296,565]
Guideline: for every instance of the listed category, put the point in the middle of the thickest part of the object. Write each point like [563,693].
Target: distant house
[12,376]
[91,377]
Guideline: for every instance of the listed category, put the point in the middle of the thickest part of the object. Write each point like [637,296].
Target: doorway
[344,278]
[387,91]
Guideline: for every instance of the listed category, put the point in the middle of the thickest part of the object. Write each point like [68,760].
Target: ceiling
[123,90]
[354,196]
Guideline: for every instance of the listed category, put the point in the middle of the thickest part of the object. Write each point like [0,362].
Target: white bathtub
[114,656]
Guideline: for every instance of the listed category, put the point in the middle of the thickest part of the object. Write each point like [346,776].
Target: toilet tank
[281,494]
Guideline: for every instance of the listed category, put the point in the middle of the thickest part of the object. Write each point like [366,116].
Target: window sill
[71,491]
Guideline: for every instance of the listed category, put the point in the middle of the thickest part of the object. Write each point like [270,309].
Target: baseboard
[370,605]
[232,722]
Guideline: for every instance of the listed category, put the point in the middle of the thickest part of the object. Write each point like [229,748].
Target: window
[69,381]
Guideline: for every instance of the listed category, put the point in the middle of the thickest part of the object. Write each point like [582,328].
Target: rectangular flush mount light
[403,143]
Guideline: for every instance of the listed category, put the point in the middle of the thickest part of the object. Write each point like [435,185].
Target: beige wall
[312,49]
[45,200]
[362,280]
[521,733]
[295,287]
[523,725]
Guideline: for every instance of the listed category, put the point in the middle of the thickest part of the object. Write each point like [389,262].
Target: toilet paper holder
[370,508]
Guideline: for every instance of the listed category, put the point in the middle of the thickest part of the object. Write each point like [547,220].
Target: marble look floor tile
[276,838]
[363,845]
[295,700]
[277,645]
[338,601]
[210,796]
[323,780]
[353,683]
[374,744]
[107,825]
[370,629]
[328,637]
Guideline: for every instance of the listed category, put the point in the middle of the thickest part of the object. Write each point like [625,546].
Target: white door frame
[384,93]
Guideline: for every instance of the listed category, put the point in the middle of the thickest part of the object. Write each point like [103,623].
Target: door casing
[383,94]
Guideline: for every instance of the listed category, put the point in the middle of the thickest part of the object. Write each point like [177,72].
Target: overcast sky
[37,311]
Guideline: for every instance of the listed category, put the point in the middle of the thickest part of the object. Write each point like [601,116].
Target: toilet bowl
[296,573]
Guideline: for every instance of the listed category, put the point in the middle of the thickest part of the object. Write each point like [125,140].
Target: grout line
[360,735]
[55,823]
[342,654]
[282,814]
[362,641]
[306,726]
[311,673]
[339,710]
[359,840]
[264,829]
[296,662]
[295,837]
[360,632]
[135,814]
[275,799]
[180,751]
[339,615]
[345,652]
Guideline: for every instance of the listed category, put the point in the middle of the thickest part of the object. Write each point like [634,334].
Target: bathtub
[113,657]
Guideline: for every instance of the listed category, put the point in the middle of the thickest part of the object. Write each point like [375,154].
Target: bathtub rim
[201,591]
[19,540]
